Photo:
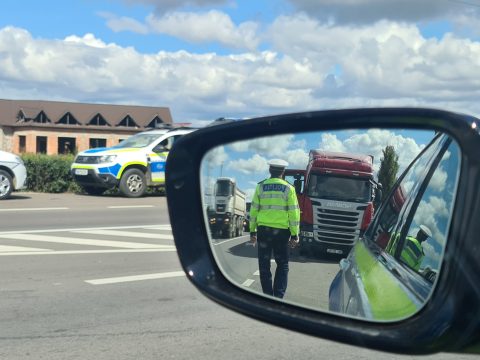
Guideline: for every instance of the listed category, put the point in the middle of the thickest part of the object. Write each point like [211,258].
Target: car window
[413,224]
[392,216]
[166,144]
[426,236]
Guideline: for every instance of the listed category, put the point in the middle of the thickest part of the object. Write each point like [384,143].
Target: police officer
[412,253]
[274,222]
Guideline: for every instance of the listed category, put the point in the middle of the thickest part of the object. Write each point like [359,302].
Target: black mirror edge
[450,321]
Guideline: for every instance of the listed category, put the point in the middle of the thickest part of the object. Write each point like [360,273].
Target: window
[389,222]
[339,188]
[22,141]
[426,237]
[66,145]
[21,116]
[413,224]
[98,120]
[41,144]
[128,121]
[155,122]
[166,144]
[96,143]
[68,119]
[42,118]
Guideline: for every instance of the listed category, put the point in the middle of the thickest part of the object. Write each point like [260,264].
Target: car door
[378,280]
[158,158]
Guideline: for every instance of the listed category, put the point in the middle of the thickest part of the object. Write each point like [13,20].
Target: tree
[387,174]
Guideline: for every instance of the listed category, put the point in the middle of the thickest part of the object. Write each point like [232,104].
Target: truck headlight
[106,159]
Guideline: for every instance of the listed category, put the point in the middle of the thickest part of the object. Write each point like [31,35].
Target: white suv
[133,165]
[13,174]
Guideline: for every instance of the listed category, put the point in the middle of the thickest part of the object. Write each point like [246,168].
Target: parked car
[13,174]
[133,165]
[388,301]
[404,244]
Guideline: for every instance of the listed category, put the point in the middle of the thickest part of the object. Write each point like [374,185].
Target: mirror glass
[353,222]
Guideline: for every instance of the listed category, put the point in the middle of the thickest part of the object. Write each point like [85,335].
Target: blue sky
[210,58]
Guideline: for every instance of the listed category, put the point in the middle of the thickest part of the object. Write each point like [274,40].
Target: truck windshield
[223,188]
[138,141]
[339,188]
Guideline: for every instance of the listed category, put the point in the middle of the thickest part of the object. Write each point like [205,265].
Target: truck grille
[337,226]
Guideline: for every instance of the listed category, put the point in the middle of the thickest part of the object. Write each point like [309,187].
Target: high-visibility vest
[412,253]
[275,204]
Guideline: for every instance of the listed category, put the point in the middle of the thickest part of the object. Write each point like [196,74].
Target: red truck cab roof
[341,163]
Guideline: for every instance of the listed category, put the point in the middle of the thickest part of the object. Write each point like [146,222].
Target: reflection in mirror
[353,222]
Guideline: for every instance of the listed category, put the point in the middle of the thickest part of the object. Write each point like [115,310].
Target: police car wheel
[132,183]
[6,184]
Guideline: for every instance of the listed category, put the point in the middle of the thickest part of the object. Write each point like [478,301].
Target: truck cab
[336,197]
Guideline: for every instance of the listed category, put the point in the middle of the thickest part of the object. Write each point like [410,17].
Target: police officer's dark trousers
[276,241]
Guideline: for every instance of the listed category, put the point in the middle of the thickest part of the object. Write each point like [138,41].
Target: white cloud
[372,142]
[267,146]
[215,157]
[439,180]
[211,26]
[123,23]
[255,164]
[208,27]
[310,65]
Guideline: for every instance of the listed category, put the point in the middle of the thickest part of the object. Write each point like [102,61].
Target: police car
[13,174]
[133,165]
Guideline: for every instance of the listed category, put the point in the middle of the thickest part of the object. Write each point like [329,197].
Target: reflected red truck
[335,194]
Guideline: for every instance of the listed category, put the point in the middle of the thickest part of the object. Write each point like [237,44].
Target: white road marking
[160,227]
[225,241]
[86,252]
[257,273]
[125,233]
[35,209]
[156,227]
[122,279]
[9,249]
[130,206]
[81,241]
[248,282]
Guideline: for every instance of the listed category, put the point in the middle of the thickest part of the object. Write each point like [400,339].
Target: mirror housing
[449,321]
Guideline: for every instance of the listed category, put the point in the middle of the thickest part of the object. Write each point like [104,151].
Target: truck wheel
[6,184]
[132,183]
[92,190]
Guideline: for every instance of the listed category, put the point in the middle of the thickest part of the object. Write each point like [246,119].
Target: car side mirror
[415,272]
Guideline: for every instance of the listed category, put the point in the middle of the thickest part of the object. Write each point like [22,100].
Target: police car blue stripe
[110,169]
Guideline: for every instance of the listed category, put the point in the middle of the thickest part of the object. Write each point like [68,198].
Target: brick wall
[10,141]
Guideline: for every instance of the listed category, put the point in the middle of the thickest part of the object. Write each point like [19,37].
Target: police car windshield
[224,188]
[138,141]
[339,188]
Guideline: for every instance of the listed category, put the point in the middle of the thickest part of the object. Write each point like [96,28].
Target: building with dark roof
[53,127]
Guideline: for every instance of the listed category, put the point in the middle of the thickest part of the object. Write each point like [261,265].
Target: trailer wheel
[132,183]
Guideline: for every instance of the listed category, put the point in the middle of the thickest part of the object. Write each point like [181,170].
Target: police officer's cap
[278,164]
[426,230]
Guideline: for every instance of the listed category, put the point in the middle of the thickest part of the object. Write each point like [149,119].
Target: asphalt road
[98,278]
